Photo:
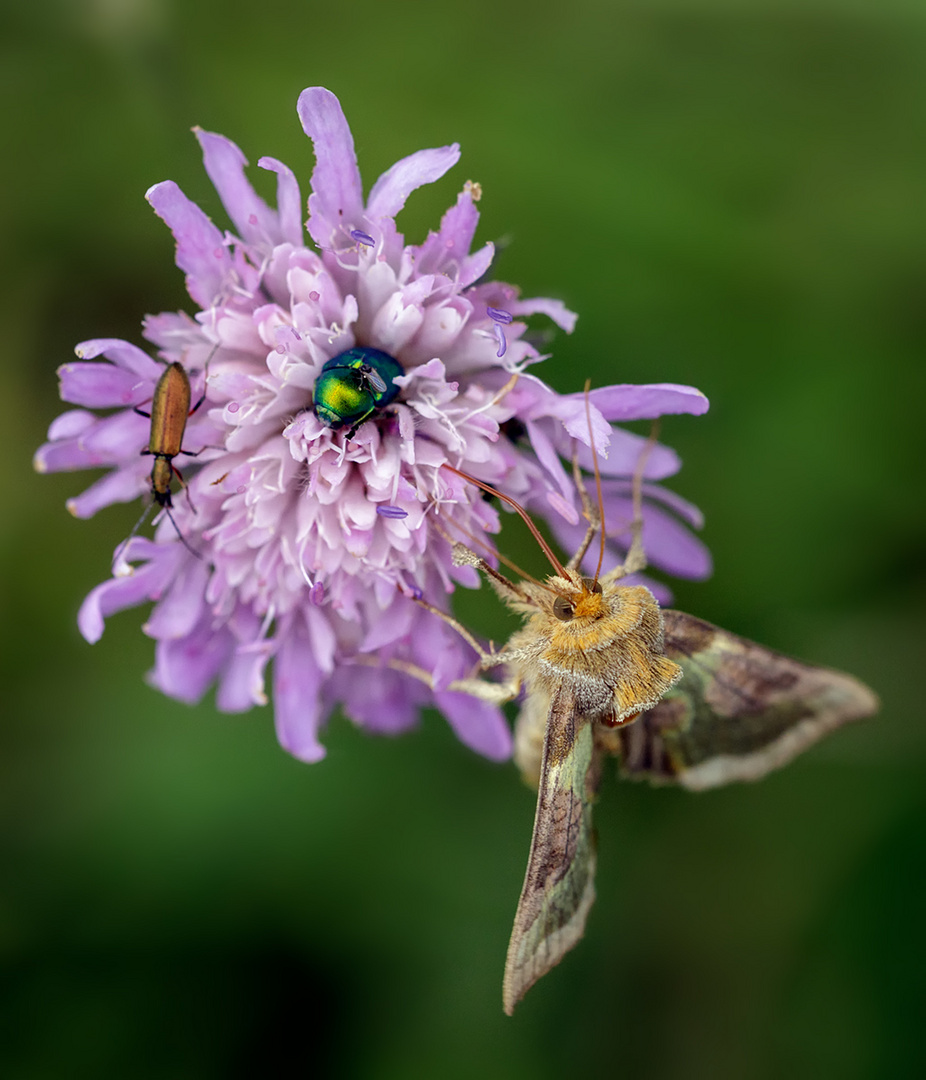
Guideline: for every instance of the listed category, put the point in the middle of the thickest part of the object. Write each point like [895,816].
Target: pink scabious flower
[314,541]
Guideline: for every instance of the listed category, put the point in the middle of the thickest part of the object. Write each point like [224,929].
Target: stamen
[361,237]
[502,343]
[497,314]
[387,511]
[317,594]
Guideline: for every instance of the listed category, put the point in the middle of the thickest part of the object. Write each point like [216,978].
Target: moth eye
[562,609]
[592,584]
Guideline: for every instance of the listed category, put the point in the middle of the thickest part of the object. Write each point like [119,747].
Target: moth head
[585,603]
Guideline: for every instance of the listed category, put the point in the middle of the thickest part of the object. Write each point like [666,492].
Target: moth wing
[559,884]
[739,710]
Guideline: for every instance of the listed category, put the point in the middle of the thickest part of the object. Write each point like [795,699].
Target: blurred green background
[730,194]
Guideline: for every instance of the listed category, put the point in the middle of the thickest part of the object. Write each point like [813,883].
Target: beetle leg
[183,484]
[353,430]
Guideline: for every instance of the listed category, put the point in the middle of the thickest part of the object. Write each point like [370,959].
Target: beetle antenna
[183,539]
[125,543]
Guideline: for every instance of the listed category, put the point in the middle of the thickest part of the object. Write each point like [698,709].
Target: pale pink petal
[336,202]
[241,684]
[181,607]
[123,354]
[225,164]
[70,424]
[186,667]
[117,594]
[396,184]
[118,486]
[289,201]
[201,251]
[553,309]
[646,402]
[102,386]
[296,688]
[479,725]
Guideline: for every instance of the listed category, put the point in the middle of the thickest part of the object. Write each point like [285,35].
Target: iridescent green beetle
[353,385]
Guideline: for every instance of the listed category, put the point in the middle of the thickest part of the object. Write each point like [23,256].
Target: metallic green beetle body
[353,385]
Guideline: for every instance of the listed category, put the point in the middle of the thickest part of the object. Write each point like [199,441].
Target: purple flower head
[316,539]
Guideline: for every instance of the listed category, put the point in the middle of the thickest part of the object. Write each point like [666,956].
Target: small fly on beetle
[354,385]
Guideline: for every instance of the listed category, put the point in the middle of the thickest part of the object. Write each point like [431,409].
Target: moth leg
[494,693]
[486,659]
[589,512]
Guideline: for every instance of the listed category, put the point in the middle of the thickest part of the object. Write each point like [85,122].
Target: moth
[604,671]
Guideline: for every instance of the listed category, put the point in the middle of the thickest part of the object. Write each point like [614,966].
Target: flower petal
[396,184]
[118,486]
[102,386]
[225,163]
[379,699]
[186,667]
[289,201]
[478,724]
[181,607]
[336,202]
[123,354]
[124,592]
[296,698]
[553,309]
[201,251]
[241,684]
[646,402]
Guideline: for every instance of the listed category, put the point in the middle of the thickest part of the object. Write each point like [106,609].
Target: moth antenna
[125,543]
[523,514]
[494,552]
[588,512]
[635,559]
[598,492]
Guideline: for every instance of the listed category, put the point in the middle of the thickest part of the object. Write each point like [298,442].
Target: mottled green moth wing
[559,884]
[739,710]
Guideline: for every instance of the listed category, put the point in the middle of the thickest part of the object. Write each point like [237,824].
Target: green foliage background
[731,193]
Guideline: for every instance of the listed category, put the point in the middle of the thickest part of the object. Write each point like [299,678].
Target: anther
[502,341]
